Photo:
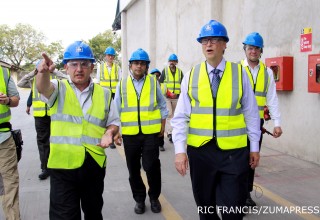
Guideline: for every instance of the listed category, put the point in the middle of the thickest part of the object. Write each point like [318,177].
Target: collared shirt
[97,80]
[12,91]
[85,99]
[272,98]
[183,110]
[138,84]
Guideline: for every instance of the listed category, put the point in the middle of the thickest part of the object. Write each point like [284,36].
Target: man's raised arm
[45,67]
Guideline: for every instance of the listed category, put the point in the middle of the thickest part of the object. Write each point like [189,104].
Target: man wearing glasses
[215,113]
[143,114]
[83,122]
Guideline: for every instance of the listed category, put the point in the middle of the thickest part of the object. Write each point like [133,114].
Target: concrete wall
[172,26]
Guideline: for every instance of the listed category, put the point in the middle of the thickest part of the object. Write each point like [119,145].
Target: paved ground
[282,183]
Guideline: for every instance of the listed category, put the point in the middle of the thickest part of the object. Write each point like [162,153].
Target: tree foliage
[100,42]
[22,45]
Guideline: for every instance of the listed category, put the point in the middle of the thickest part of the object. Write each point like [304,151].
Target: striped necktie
[215,82]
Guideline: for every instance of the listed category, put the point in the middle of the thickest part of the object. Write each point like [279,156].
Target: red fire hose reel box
[314,73]
[282,68]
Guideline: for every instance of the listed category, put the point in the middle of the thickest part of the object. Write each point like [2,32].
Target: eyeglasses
[205,41]
[83,64]
[141,63]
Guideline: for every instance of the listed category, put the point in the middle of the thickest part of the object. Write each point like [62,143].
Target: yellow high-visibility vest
[163,88]
[109,80]
[5,112]
[40,108]
[219,117]
[260,89]
[72,133]
[139,113]
[173,83]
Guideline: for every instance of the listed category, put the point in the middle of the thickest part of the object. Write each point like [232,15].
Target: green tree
[22,45]
[100,42]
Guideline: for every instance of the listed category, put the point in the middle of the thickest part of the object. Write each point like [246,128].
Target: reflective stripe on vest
[139,113]
[260,89]
[109,80]
[220,117]
[173,83]
[163,88]
[5,112]
[40,108]
[72,133]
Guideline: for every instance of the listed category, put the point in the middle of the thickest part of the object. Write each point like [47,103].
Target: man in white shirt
[214,120]
[84,121]
[264,87]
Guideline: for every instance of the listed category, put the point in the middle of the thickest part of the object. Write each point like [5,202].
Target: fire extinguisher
[170,95]
[266,115]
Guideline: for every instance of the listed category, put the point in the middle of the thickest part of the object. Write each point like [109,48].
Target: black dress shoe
[140,208]
[155,206]
[44,175]
[249,201]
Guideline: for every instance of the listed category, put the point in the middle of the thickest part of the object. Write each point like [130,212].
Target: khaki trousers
[9,179]
[171,106]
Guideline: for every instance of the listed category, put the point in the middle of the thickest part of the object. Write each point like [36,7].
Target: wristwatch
[9,102]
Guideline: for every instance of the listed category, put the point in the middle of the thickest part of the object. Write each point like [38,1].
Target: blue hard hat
[173,57]
[213,29]
[78,51]
[110,51]
[140,54]
[254,39]
[155,70]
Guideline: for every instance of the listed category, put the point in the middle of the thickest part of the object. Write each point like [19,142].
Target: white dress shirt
[85,99]
[180,121]
[272,98]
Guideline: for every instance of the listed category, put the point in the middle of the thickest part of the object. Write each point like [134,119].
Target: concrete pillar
[124,43]
[151,30]
[215,9]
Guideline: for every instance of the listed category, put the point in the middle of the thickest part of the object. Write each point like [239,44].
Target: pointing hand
[46,65]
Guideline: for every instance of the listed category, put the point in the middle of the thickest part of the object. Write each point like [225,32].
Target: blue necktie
[215,82]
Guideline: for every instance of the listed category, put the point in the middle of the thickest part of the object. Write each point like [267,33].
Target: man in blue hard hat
[172,77]
[264,87]
[143,113]
[84,120]
[215,113]
[109,74]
